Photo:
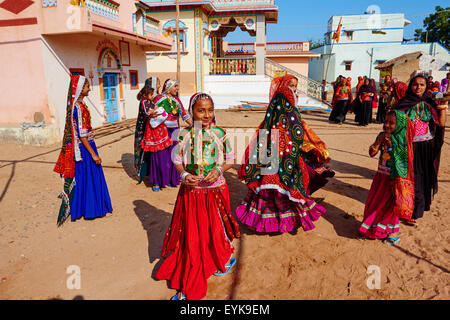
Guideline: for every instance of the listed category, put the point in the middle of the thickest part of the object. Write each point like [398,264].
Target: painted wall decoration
[110,60]
[49,3]
[248,21]
[106,43]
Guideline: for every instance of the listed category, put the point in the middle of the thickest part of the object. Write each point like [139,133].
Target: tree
[315,43]
[437,28]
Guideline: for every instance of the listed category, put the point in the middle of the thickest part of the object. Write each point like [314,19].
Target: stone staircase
[231,91]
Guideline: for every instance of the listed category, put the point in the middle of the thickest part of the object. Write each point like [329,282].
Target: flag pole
[178,39]
[329,58]
[335,38]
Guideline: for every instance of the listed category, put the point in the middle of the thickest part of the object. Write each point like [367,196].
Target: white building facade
[365,42]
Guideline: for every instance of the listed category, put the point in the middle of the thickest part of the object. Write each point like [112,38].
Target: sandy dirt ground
[118,255]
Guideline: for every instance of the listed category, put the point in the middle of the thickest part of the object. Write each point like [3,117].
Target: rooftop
[401,59]
[220,7]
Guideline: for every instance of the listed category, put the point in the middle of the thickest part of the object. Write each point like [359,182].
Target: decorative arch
[101,71]
[170,28]
[102,56]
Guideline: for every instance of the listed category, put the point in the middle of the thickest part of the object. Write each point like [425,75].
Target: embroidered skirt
[379,219]
[198,240]
[270,211]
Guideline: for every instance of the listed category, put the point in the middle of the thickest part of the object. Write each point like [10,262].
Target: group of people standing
[361,104]
[158,120]
[368,98]
[198,242]
[410,147]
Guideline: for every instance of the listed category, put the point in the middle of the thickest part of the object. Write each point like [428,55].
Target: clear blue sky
[301,20]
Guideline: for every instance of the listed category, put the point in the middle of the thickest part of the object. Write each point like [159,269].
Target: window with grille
[134,81]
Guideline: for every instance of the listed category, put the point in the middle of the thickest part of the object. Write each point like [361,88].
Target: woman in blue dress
[85,191]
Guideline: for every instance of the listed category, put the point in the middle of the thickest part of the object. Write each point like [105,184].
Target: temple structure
[230,72]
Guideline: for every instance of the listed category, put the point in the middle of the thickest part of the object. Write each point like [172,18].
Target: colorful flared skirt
[159,167]
[198,240]
[270,211]
[90,195]
[379,219]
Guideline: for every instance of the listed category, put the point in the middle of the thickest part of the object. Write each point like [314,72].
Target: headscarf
[360,83]
[151,82]
[399,90]
[280,85]
[70,152]
[193,101]
[402,166]
[169,84]
[410,99]
[289,176]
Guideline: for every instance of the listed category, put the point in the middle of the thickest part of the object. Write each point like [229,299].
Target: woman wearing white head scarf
[169,100]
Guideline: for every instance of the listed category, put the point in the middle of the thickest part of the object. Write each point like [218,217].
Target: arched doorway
[110,76]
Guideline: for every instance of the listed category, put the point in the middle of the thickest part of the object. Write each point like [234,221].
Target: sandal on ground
[156,188]
[411,222]
[228,267]
[392,240]
[175,297]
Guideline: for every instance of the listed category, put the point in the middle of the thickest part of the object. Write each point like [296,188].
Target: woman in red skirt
[199,239]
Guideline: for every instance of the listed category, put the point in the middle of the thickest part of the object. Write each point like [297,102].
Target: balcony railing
[226,3]
[234,3]
[287,46]
[248,48]
[105,8]
[232,66]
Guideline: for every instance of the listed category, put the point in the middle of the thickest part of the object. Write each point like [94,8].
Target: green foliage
[315,43]
[437,28]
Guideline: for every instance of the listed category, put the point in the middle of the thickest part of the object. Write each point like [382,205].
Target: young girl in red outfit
[199,239]
[391,195]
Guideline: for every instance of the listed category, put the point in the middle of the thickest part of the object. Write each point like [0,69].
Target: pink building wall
[298,64]
[39,45]
[23,74]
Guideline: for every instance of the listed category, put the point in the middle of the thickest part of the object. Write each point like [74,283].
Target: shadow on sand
[155,222]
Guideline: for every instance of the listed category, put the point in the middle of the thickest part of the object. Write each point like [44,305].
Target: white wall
[362,65]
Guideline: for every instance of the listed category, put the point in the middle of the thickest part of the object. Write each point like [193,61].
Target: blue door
[110,89]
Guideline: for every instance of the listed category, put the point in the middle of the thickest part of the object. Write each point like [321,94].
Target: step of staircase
[230,91]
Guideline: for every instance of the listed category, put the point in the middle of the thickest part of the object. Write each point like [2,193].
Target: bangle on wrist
[184,175]
[219,170]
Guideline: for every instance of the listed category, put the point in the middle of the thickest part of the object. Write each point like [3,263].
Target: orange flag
[337,34]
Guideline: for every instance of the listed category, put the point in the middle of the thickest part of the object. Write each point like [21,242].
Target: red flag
[337,34]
